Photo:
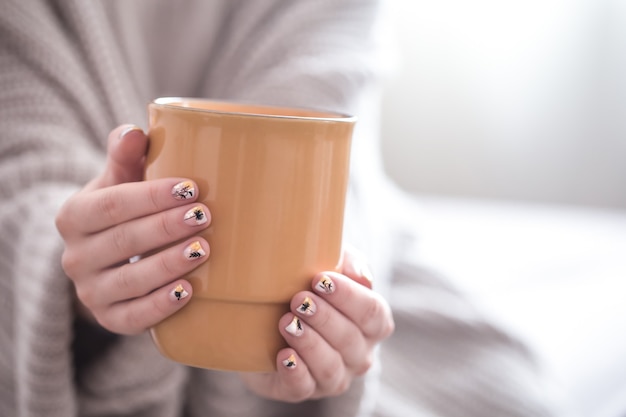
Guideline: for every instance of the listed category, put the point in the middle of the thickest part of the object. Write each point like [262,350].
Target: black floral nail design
[307,307]
[183,190]
[290,362]
[195,216]
[326,285]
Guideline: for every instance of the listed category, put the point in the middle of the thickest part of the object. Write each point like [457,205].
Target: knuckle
[70,262]
[121,240]
[165,266]
[154,192]
[86,297]
[105,321]
[333,371]
[376,319]
[372,313]
[389,327]
[165,226]
[61,220]
[365,365]
[110,205]
[123,280]
[342,386]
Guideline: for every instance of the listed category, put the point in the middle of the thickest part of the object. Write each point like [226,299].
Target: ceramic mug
[275,181]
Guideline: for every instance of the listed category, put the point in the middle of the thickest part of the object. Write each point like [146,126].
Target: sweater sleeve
[38,171]
[58,102]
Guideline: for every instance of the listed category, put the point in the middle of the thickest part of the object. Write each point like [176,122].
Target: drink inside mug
[275,181]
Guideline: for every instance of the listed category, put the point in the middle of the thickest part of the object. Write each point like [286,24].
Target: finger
[137,315]
[355,266]
[126,149]
[335,328]
[325,364]
[296,381]
[133,280]
[101,209]
[292,382]
[145,234]
[364,307]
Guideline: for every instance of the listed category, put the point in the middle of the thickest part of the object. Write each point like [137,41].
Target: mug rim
[271,111]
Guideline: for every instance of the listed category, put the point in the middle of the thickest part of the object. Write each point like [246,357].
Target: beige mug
[275,181]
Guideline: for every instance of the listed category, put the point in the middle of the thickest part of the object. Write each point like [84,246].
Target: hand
[116,217]
[332,332]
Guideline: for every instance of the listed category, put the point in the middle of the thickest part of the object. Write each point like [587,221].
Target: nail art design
[295,327]
[195,216]
[178,293]
[307,307]
[326,285]
[290,362]
[183,190]
[194,250]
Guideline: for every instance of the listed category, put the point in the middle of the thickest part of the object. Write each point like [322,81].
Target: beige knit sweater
[71,70]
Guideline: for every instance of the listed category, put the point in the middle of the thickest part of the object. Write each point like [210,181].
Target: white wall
[509,99]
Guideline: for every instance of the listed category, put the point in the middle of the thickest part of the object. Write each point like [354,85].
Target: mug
[275,181]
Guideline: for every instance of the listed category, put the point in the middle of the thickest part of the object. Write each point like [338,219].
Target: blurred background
[522,100]
[507,118]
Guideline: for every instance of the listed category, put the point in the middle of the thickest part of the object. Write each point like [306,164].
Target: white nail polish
[194,251]
[295,327]
[290,362]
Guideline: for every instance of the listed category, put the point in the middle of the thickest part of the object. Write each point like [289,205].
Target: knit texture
[71,71]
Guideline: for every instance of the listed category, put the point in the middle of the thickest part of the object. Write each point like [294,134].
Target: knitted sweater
[71,70]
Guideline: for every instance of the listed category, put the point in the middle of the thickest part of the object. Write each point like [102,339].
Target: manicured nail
[295,327]
[178,293]
[290,362]
[325,285]
[195,216]
[194,251]
[129,129]
[307,307]
[183,190]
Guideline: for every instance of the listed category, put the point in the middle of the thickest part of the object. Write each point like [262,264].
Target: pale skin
[117,216]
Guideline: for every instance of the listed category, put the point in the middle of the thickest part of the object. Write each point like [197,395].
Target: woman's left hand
[331,332]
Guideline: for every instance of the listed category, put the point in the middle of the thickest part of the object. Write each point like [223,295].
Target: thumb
[127,145]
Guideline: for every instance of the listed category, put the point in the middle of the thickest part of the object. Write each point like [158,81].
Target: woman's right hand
[117,217]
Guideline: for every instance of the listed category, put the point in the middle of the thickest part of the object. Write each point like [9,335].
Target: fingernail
[195,216]
[295,327]
[183,190]
[290,362]
[129,129]
[194,251]
[325,285]
[307,307]
[178,293]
